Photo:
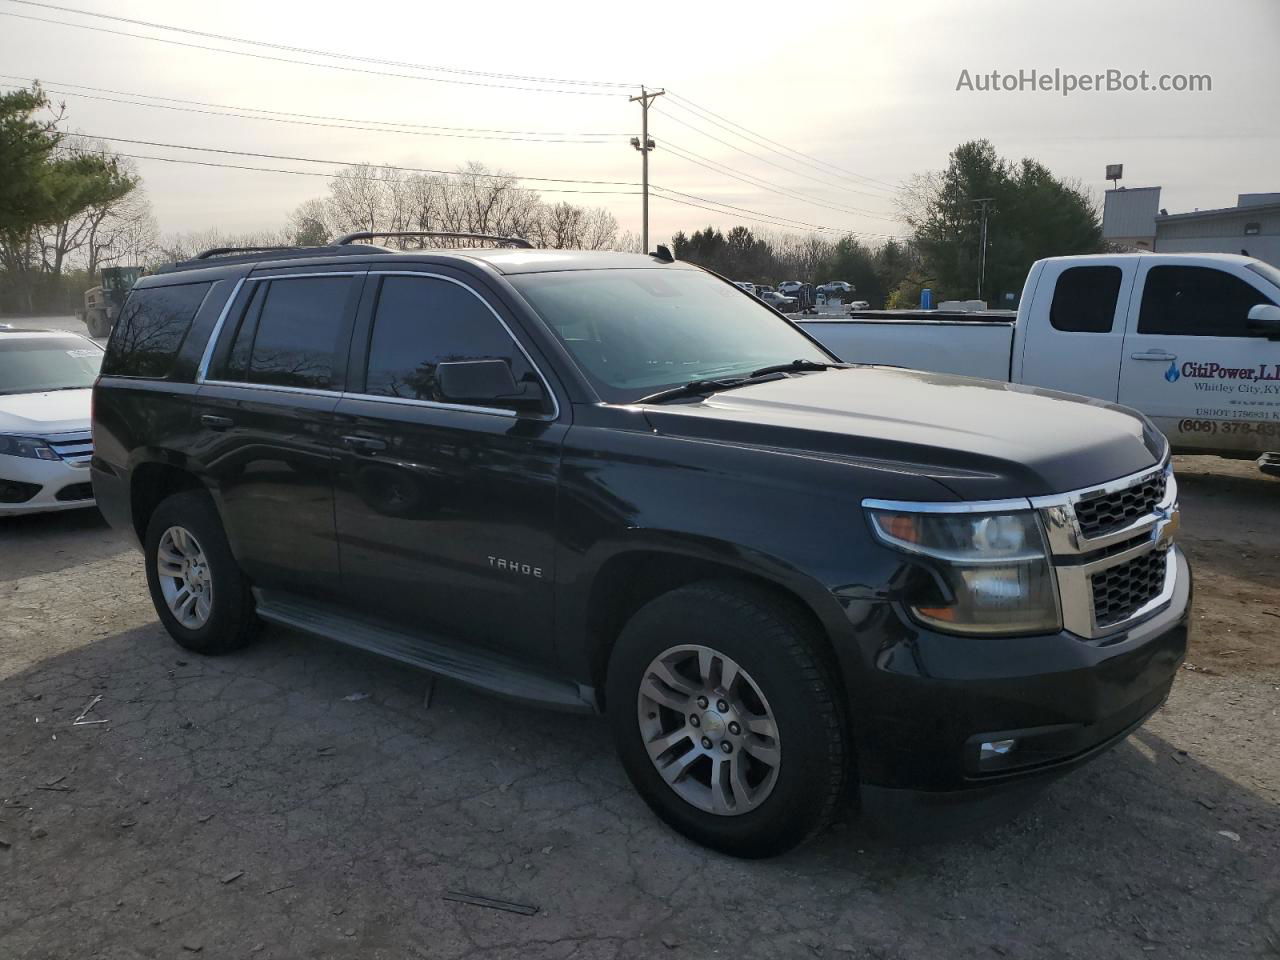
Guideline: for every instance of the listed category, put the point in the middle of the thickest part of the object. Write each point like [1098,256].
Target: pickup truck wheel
[727,719]
[198,590]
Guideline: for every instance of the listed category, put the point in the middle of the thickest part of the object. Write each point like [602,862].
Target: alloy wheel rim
[185,578]
[708,730]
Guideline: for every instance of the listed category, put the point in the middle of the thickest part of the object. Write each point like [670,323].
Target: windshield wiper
[698,388]
[695,388]
[794,365]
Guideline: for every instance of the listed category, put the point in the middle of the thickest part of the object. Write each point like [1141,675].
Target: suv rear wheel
[198,590]
[725,714]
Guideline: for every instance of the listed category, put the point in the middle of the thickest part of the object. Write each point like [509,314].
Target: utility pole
[644,144]
[982,253]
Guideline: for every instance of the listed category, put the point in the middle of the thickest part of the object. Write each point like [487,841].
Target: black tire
[98,324]
[231,621]
[783,653]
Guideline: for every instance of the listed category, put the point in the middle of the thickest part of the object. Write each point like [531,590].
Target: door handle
[1153,355]
[215,422]
[365,444]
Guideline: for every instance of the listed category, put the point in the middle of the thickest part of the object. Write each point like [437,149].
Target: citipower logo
[1198,370]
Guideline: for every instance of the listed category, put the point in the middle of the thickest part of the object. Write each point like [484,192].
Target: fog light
[995,748]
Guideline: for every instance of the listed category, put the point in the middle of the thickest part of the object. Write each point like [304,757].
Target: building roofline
[1219,211]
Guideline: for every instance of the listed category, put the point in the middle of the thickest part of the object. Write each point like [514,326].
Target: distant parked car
[860,305]
[779,302]
[836,288]
[790,287]
[749,287]
[46,379]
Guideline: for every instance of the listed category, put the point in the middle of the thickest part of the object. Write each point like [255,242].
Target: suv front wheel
[726,716]
[201,596]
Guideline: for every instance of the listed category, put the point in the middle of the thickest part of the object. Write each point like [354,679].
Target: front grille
[1120,591]
[1111,511]
[75,491]
[75,448]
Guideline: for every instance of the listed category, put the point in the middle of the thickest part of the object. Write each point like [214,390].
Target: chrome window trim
[546,384]
[275,388]
[436,405]
[344,395]
[203,369]
[202,372]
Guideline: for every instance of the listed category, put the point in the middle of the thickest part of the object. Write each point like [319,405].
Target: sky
[804,114]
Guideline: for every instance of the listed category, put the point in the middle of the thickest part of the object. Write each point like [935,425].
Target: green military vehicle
[102,303]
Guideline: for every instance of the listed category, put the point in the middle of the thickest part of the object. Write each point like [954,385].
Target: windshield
[1266,270]
[36,364]
[637,331]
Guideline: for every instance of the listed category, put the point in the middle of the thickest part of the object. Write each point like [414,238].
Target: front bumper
[58,485]
[935,698]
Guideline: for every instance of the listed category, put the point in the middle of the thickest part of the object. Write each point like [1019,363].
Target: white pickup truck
[1191,340]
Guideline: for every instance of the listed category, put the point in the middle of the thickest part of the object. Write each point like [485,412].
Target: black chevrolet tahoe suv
[618,483]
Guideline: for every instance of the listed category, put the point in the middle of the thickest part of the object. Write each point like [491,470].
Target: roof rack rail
[370,234]
[222,251]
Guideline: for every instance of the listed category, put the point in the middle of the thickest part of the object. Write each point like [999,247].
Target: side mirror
[486,383]
[1264,321]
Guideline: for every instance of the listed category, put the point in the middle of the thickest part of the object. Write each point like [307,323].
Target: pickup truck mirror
[486,383]
[1264,321]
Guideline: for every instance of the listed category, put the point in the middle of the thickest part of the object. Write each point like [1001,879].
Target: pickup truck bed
[970,344]
[1190,340]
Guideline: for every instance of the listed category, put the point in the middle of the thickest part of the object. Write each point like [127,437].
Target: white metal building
[1133,219]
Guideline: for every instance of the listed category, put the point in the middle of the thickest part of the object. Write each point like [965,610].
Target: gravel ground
[298,800]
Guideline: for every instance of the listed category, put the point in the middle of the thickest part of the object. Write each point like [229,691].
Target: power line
[761,139]
[309,63]
[348,163]
[306,116]
[336,55]
[317,123]
[730,206]
[717,167]
[335,176]
[731,146]
[757,215]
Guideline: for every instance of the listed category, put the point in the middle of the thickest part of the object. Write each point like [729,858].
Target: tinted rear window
[289,334]
[151,328]
[1084,301]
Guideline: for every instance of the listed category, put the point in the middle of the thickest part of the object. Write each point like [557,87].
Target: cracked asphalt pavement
[298,799]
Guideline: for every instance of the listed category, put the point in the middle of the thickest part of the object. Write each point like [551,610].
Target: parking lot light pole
[644,144]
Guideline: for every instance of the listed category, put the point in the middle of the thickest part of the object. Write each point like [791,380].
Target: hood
[37,414]
[983,439]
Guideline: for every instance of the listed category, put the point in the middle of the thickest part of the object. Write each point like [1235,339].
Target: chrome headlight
[990,572]
[27,447]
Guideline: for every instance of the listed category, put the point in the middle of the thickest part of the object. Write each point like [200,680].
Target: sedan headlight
[989,572]
[27,447]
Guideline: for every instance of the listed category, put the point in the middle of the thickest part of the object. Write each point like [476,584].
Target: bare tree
[127,234]
[81,238]
[599,230]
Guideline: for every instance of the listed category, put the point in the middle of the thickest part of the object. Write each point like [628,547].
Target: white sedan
[46,382]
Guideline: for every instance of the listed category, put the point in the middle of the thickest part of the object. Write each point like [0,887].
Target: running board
[486,671]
